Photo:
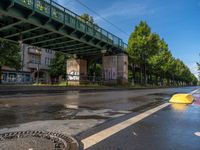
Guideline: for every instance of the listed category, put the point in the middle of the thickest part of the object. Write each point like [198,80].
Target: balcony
[32,50]
[34,65]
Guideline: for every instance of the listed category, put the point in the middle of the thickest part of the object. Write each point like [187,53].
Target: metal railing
[63,15]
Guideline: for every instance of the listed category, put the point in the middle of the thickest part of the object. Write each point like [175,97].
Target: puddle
[14,115]
[22,114]
[160,94]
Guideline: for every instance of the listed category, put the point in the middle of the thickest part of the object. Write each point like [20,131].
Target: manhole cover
[36,140]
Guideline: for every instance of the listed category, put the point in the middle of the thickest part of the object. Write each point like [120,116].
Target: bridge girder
[47,32]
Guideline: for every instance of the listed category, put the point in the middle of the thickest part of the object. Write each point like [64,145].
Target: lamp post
[103,52]
[22,52]
[38,66]
[38,72]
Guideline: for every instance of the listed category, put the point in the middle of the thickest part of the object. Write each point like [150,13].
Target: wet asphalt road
[168,129]
[77,113]
[176,127]
[24,108]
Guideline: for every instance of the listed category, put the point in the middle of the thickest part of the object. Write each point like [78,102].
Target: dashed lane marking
[197,134]
[102,135]
[195,91]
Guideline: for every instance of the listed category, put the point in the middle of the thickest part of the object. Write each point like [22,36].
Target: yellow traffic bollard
[182,99]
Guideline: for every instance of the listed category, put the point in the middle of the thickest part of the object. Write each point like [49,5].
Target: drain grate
[36,140]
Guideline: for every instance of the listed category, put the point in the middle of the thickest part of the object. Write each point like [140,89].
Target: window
[12,77]
[27,78]
[45,60]
[4,77]
[48,61]
[35,59]
[48,51]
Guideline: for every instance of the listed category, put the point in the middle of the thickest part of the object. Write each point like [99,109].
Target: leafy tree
[58,65]
[142,45]
[89,20]
[87,17]
[148,52]
[158,63]
[9,55]
[198,65]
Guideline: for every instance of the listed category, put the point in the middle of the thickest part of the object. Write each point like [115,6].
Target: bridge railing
[61,14]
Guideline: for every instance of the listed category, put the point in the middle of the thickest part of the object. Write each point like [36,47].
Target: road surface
[84,114]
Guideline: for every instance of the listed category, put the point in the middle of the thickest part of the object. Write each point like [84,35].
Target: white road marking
[102,135]
[71,106]
[193,92]
[197,134]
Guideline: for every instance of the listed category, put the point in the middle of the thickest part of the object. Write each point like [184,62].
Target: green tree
[198,65]
[158,63]
[9,56]
[142,45]
[149,53]
[89,20]
[87,17]
[58,65]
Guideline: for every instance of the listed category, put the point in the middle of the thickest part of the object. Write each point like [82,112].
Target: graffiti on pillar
[73,75]
[73,70]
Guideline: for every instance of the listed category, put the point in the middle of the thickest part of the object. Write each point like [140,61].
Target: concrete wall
[122,67]
[115,68]
[110,67]
[76,71]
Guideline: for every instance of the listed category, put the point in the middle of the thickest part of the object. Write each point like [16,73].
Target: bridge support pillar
[115,69]
[76,71]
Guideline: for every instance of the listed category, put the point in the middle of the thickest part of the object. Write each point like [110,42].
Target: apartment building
[35,66]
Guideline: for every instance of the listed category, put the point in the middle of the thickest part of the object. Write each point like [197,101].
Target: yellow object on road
[182,99]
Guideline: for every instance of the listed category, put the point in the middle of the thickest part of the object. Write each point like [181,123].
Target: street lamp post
[103,53]
[38,66]
[38,72]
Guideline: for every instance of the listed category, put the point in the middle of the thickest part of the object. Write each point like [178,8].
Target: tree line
[198,65]
[151,61]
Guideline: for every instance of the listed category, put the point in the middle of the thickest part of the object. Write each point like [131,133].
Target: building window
[48,51]
[12,77]
[27,78]
[35,59]
[48,61]
[4,77]
[45,60]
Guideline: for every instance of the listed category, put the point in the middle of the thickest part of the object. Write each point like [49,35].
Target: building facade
[35,66]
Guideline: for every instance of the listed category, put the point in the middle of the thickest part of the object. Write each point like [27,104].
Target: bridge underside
[21,23]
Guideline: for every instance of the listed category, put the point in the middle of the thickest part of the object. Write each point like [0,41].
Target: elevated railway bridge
[46,24]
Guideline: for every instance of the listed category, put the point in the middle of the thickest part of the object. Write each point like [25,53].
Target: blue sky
[177,21]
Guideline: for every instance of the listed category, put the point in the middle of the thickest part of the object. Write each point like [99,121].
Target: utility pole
[38,67]
[103,52]
[38,72]
[22,52]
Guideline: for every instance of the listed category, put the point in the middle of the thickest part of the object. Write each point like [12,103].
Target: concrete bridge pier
[76,71]
[115,69]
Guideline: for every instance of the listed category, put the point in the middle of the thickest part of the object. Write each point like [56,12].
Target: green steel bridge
[46,24]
